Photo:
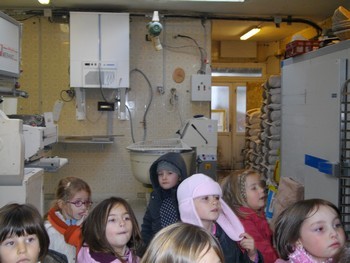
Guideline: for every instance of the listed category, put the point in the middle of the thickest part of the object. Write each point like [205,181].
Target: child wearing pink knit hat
[200,203]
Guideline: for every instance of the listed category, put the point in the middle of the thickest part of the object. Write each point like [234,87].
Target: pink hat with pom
[202,185]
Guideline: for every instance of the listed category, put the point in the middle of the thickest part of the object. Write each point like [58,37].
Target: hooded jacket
[228,225]
[151,220]
[257,226]
[201,185]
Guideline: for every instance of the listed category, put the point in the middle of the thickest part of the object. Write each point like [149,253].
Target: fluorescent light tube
[223,1]
[44,2]
[250,33]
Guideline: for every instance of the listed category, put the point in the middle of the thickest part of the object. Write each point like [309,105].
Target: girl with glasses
[64,219]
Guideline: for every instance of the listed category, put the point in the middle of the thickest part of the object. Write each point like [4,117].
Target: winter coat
[231,249]
[152,220]
[257,226]
[54,257]
[57,240]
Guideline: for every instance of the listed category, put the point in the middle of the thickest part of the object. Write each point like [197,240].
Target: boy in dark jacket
[165,174]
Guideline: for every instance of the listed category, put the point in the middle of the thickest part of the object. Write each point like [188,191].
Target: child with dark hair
[23,237]
[309,231]
[165,174]
[110,234]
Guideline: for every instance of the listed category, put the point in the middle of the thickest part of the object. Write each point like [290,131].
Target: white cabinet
[30,191]
[310,135]
[99,50]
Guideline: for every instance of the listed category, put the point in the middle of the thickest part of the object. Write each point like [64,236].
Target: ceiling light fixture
[44,2]
[250,33]
[223,1]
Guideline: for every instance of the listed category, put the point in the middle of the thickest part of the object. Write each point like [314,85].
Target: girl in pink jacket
[111,234]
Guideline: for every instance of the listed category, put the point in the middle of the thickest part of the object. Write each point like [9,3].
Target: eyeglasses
[79,203]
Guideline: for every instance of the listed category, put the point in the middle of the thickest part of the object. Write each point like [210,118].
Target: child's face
[167,179]
[74,211]
[208,208]
[20,249]
[322,234]
[255,192]
[119,228]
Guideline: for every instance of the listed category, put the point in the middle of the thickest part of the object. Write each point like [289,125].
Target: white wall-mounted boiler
[99,50]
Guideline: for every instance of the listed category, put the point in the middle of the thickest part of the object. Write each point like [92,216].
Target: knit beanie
[202,185]
[164,165]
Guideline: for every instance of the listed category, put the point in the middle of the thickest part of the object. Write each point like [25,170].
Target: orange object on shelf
[298,47]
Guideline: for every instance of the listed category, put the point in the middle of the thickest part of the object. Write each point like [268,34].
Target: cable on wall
[202,52]
[144,121]
[289,20]
[63,15]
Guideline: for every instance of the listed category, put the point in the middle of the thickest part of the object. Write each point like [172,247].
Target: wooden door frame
[233,151]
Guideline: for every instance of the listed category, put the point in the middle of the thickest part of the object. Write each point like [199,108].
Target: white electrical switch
[201,87]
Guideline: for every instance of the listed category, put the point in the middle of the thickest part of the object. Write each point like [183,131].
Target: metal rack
[173,144]
[344,178]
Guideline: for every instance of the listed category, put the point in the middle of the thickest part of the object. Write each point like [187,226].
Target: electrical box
[99,50]
[201,87]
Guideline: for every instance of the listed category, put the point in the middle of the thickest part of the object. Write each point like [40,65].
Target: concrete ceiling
[230,20]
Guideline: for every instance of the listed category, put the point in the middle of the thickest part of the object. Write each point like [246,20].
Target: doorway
[228,107]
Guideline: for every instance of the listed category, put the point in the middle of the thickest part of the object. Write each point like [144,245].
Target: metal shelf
[97,139]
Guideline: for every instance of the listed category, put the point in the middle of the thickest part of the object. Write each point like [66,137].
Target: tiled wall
[106,167]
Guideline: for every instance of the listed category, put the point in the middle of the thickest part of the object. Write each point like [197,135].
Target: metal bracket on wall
[80,104]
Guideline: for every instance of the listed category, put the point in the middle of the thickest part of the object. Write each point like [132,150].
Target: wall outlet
[201,87]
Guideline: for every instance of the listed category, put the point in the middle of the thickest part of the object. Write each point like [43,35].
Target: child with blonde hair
[245,192]
[110,233]
[69,210]
[309,231]
[183,243]
[200,204]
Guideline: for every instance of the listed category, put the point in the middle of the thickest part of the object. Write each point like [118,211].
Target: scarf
[72,233]
[300,255]
[107,258]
